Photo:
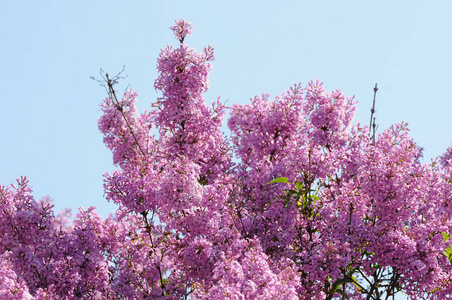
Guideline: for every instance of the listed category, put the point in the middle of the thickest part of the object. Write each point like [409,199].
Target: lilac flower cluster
[312,209]
[181,29]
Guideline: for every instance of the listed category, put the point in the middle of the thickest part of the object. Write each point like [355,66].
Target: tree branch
[112,95]
[373,125]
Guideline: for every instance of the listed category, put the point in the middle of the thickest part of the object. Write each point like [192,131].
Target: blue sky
[49,50]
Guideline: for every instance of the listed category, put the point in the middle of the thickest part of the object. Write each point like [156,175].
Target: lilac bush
[297,203]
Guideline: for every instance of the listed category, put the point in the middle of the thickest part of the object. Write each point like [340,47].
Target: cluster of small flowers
[446,158]
[181,29]
[345,215]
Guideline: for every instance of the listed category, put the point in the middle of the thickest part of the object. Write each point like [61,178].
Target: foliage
[297,203]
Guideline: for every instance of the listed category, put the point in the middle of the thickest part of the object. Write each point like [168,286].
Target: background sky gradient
[49,50]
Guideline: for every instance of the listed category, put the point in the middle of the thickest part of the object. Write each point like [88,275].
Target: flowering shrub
[296,204]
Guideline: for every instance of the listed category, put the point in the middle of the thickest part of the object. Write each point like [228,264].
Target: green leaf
[289,193]
[342,293]
[292,192]
[338,282]
[299,185]
[280,179]
[355,283]
[314,197]
[445,236]
[448,253]
[165,281]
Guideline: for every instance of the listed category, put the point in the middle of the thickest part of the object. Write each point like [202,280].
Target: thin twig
[112,93]
[372,110]
[149,231]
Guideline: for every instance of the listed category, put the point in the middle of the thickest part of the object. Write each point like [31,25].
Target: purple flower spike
[181,29]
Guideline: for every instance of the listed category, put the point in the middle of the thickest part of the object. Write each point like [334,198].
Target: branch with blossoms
[109,83]
[112,95]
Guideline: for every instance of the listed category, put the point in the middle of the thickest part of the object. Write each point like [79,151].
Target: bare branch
[373,126]
[112,95]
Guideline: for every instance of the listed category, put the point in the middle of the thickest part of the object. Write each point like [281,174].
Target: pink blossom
[181,29]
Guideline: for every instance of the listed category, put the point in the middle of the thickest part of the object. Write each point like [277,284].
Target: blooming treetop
[311,210]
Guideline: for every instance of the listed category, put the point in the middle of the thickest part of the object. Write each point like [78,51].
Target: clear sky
[49,50]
